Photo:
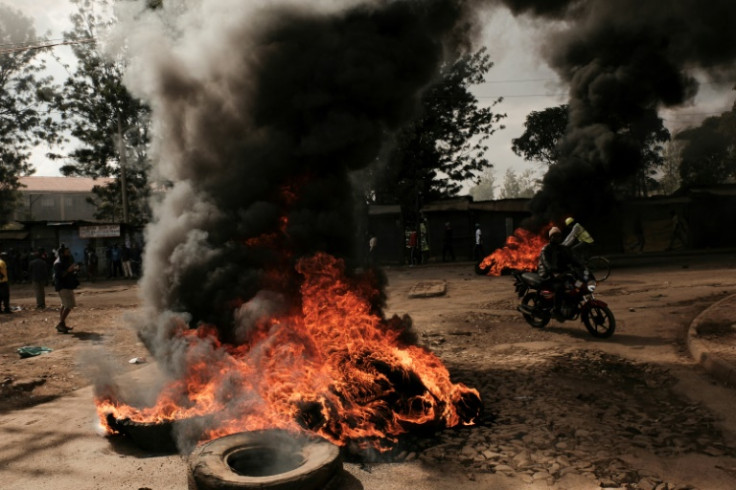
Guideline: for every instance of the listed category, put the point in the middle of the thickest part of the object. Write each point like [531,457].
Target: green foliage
[544,129]
[446,145]
[485,189]
[516,185]
[709,151]
[110,126]
[25,120]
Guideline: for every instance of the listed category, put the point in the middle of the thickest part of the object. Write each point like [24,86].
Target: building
[57,199]
[56,210]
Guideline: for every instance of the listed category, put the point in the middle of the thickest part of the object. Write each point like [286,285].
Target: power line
[522,95]
[46,45]
[522,80]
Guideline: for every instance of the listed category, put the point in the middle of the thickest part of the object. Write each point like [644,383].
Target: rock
[521,459]
[540,475]
[488,454]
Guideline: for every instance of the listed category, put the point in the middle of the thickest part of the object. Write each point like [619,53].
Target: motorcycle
[578,301]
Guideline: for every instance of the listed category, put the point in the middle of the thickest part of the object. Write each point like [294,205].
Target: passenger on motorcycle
[555,262]
[578,239]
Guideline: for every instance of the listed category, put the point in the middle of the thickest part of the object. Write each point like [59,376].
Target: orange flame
[521,252]
[332,365]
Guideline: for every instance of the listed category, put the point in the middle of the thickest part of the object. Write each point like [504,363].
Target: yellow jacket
[3,271]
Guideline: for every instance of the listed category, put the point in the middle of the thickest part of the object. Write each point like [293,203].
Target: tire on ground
[210,464]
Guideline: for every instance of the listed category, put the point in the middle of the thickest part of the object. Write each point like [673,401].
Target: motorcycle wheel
[599,321]
[532,300]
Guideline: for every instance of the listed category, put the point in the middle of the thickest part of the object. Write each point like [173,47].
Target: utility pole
[123,164]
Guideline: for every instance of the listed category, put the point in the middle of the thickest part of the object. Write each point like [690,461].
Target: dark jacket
[38,270]
[63,278]
[556,258]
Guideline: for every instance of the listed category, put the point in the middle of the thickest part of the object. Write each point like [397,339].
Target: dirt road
[562,410]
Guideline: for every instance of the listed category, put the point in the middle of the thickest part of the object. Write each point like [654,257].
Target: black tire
[599,321]
[600,267]
[532,300]
[214,464]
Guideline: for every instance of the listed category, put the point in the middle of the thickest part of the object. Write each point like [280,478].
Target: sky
[519,75]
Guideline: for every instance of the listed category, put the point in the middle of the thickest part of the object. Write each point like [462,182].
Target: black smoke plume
[623,61]
[263,109]
[261,113]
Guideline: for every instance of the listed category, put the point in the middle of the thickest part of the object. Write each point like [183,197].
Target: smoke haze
[623,61]
[262,110]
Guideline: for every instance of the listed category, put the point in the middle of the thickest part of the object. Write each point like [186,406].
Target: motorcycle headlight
[591,286]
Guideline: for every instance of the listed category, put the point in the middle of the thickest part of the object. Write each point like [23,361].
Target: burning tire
[270,459]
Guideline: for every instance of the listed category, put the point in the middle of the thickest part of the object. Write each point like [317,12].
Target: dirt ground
[98,325]
[562,410]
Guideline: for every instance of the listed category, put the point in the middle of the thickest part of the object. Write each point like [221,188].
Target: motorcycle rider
[555,260]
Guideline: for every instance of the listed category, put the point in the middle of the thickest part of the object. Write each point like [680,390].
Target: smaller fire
[521,252]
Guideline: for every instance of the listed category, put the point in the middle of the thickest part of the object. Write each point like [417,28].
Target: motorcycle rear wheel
[532,301]
[599,321]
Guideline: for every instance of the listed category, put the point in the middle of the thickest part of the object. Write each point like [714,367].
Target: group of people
[63,271]
[122,261]
[64,278]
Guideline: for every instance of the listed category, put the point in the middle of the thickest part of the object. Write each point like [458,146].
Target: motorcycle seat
[532,278]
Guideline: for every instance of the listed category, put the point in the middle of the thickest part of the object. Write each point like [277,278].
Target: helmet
[554,231]
[569,221]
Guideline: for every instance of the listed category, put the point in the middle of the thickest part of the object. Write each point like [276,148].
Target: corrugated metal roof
[61,184]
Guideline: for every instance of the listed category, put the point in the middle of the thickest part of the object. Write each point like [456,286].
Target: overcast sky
[519,75]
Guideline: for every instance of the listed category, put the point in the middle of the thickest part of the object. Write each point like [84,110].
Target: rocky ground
[562,410]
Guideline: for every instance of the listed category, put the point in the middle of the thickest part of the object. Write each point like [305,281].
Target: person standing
[135,259]
[38,271]
[372,243]
[478,252]
[424,240]
[125,258]
[413,248]
[4,285]
[679,233]
[92,267]
[448,253]
[65,282]
[117,263]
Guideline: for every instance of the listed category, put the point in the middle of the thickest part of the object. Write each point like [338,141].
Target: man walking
[38,271]
[65,281]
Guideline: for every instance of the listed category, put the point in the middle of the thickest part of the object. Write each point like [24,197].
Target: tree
[544,129]
[485,189]
[519,185]
[446,145]
[110,125]
[25,120]
[670,180]
[709,151]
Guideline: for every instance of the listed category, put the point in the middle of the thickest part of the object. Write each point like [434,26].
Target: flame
[331,365]
[521,252]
